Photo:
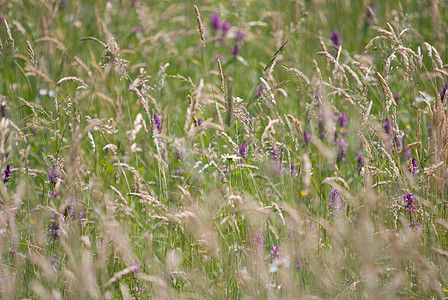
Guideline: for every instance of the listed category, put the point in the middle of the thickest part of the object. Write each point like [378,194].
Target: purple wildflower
[235,49]
[53,194]
[398,141]
[240,36]
[242,150]
[200,121]
[158,122]
[53,228]
[342,120]
[275,153]
[342,149]
[443,91]
[370,14]
[306,137]
[136,29]
[321,121]
[335,202]
[409,200]
[54,174]
[320,118]
[12,250]
[360,160]
[413,168]
[223,174]
[216,21]
[138,265]
[397,96]
[53,259]
[293,170]
[276,252]
[4,109]
[259,241]
[7,173]
[179,172]
[259,91]
[387,126]
[299,263]
[177,155]
[226,27]
[336,38]
[70,210]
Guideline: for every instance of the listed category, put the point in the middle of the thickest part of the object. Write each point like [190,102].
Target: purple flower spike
[243,150]
[335,202]
[443,91]
[226,27]
[293,170]
[306,137]
[342,120]
[387,126]
[275,153]
[53,227]
[136,30]
[216,21]
[276,252]
[158,121]
[7,173]
[299,263]
[342,149]
[360,162]
[240,36]
[398,141]
[336,38]
[54,174]
[235,49]
[259,241]
[413,168]
[397,96]
[409,200]
[370,15]
[259,91]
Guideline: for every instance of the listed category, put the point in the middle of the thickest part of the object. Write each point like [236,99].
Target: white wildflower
[278,264]
[228,157]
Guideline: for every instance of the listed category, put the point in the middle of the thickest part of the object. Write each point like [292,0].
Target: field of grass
[256,149]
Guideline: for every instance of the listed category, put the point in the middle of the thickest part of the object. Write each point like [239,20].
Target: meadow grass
[223,149]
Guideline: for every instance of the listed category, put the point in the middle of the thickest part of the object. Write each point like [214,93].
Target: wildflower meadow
[240,149]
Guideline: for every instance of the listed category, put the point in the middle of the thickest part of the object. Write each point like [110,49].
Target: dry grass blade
[298,74]
[296,123]
[200,26]
[387,91]
[441,252]
[120,274]
[52,40]
[336,179]
[73,79]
